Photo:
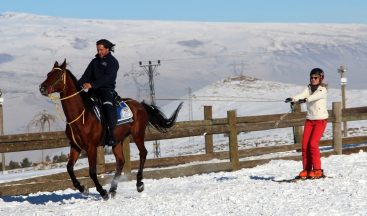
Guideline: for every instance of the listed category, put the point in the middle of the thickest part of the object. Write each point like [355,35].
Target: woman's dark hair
[107,44]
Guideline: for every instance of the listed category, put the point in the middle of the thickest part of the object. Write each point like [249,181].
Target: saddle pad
[124,114]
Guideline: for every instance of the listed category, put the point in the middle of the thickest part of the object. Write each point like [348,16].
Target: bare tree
[41,122]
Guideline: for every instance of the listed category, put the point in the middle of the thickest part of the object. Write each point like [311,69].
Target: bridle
[62,78]
[55,98]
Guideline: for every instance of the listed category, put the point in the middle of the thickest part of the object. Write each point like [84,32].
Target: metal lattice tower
[150,70]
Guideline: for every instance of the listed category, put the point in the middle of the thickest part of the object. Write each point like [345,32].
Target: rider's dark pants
[106,95]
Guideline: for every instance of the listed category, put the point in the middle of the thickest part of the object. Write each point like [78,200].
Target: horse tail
[158,119]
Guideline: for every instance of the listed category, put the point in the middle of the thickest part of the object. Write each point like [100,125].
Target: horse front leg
[73,157]
[120,161]
[92,160]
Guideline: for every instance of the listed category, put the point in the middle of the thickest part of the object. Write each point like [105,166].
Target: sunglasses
[314,77]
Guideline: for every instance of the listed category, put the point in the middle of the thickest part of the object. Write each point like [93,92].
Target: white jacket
[316,103]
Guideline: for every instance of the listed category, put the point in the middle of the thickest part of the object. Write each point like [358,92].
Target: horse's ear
[63,66]
[56,64]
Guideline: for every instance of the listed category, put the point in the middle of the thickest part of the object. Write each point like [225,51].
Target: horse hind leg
[73,157]
[139,140]
[120,160]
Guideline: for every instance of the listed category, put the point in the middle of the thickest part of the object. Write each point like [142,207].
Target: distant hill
[252,96]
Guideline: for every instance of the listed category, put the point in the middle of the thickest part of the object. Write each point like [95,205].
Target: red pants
[312,134]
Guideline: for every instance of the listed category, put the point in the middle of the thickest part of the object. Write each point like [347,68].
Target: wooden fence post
[233,143]
[2,132]
[100,160]
[126,153]
[208,115]
[299,129]
[337,129]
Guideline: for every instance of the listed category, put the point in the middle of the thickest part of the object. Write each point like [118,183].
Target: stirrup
[110,141]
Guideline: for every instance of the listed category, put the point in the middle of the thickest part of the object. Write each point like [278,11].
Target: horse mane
[88,103]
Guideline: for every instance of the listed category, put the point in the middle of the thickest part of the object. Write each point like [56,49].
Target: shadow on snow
[262,178]
[45,198]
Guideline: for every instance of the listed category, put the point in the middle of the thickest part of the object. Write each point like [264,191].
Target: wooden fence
[232,125]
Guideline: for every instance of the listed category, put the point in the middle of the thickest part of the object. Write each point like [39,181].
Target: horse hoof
[113,194]
[85,191]
[105,197]
[140,187]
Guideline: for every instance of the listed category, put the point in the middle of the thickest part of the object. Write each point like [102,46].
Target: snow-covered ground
[243,192]
[204,57]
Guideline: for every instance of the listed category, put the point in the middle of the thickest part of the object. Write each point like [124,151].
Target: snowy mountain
[193,55]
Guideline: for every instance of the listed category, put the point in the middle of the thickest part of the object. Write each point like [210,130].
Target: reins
[64,98]
[284,115]
[54,99]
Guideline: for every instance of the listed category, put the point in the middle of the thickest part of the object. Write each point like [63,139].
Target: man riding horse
[84,129]
[100,76]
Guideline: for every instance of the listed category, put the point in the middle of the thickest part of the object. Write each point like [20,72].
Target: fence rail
[233,159]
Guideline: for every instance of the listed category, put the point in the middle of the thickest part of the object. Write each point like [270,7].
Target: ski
[297,178]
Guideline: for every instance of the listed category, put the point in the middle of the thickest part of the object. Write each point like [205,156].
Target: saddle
[123,112]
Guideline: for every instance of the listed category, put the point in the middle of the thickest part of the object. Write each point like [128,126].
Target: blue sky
[288,11]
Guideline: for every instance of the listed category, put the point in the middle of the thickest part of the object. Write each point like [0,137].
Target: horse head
[55,81]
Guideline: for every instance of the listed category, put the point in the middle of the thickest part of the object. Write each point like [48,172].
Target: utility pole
[2,128]
[190,105]
[150,69]
[343,83]
[190,111]
[236,71]
[141,88]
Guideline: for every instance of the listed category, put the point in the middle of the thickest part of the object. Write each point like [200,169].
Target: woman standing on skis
[315,96]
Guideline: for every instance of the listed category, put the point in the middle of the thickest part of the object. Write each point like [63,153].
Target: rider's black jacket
[101,73]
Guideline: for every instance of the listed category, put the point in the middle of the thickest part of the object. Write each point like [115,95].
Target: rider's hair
[107,44]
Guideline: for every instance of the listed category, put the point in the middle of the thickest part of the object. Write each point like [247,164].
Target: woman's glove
[287,100]
[304,100]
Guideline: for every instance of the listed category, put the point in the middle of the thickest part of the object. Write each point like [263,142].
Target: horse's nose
[43,89]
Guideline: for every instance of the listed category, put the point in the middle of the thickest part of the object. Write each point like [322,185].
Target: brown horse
[85,131]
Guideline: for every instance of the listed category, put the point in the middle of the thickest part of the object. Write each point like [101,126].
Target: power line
[224,98]
[212,96]
[219,100]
